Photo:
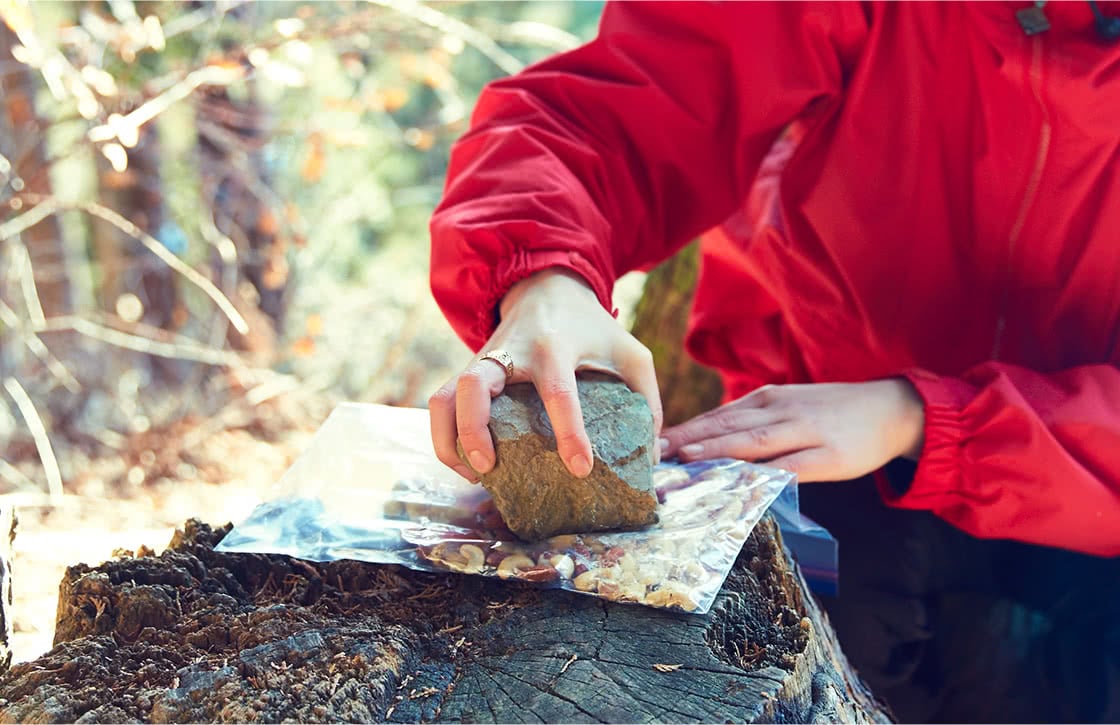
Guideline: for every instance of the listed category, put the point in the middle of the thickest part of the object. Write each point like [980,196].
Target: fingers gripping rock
[536,494]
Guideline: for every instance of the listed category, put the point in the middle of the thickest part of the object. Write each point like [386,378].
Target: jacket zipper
[1028,196]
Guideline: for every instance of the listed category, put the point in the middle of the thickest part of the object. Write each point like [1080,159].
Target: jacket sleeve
[1011,453]
[612,156]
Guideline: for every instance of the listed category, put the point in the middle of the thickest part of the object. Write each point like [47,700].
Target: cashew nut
[608,573]
[447,555]
[588,581]
[511,565]
[668,597]
[632,592]
[475,559]
[694,572]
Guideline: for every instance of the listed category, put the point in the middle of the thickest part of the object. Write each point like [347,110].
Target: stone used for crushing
[536,494]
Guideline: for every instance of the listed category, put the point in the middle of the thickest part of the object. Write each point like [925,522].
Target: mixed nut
[679,564]
[655,577]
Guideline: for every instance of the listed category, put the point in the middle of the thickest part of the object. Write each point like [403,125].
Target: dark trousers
[949,628]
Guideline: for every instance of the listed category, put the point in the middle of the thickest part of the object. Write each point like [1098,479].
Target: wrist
[912,421]
[554,281]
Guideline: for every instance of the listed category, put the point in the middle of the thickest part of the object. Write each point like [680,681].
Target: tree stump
[8,524]
[194,635]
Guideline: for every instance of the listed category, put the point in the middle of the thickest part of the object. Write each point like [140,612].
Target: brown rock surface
[536,494]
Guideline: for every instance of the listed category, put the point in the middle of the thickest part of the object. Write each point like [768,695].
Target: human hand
[821,432]
[552,325]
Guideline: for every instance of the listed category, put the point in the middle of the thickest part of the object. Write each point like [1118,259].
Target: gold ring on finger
[501,357]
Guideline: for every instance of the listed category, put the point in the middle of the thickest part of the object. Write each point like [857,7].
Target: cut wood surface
[194,635]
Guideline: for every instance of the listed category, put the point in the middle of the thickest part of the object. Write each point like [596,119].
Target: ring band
[503,358]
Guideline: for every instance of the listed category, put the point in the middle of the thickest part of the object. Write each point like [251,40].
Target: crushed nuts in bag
[370,488]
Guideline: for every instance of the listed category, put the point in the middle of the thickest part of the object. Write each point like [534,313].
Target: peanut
[609,589]
[538,574]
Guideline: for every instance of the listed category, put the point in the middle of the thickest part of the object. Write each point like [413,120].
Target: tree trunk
[125,266]
[194,635]
[232,134]
[687,388]
[21,141]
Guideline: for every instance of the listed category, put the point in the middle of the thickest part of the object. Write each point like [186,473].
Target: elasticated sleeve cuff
[524,263]
[937,480]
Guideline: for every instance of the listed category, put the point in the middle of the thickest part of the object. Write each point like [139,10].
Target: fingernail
[579,465]
[478,461]
[663,444]
[692,449]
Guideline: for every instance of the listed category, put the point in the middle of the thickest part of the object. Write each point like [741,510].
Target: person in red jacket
[910,283]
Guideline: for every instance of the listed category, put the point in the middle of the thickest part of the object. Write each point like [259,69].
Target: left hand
[821,432]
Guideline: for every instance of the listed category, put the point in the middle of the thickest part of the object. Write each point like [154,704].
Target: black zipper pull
[1033,20]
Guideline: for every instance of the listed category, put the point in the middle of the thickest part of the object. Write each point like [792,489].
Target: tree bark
[687,388]
[22,142]
[8,524]
[194,635]
[232,136]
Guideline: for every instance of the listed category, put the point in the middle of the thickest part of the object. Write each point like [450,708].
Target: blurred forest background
[213,227]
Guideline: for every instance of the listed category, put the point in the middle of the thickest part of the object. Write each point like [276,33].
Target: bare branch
[38,432]
[232,145]
[9,317]
[16,477]
[186,23]
[433,18]
[27,284]
[139,343]
[211,11]
[121,126]
[172,261]
[61,77]
[28,219]
[155,246]
[528,32]
[271,389]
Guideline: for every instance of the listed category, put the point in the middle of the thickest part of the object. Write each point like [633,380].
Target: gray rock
[536,494]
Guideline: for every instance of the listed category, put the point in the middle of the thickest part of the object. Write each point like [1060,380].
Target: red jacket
[944,204]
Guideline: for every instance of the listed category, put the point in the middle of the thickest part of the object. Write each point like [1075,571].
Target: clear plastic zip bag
[369,488]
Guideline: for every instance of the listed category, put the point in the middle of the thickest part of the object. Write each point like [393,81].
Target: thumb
[635,365]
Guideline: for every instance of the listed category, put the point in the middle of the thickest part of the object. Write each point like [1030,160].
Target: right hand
[553,325]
